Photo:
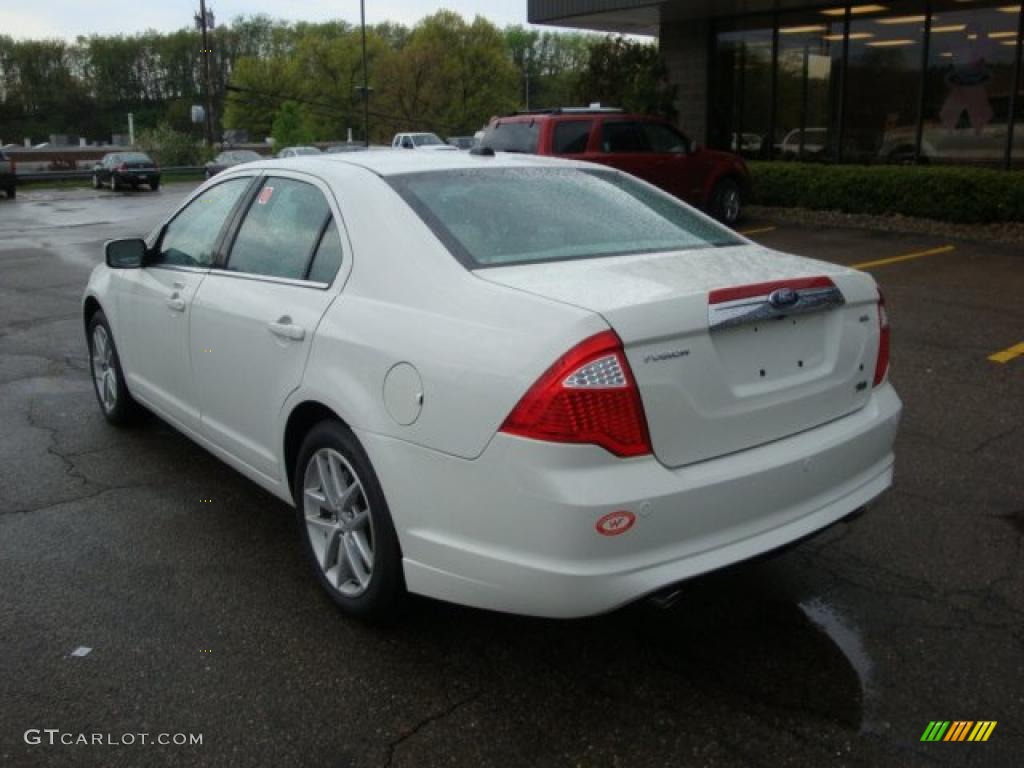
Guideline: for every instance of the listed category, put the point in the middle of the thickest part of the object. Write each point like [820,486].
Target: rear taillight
[882,363]
[121,167]
[588,396]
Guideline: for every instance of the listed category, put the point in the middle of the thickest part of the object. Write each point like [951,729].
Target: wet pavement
[201,617]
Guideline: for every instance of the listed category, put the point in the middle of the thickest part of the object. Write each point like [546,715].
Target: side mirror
[125,254]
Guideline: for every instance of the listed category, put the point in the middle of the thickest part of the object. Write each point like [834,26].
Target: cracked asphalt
[202,617]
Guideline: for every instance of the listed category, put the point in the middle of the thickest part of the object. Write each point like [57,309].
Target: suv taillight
[588,396]
[121,167]
[882,363]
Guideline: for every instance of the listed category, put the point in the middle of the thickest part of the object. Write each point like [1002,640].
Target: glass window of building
[808,84]
[883,89]
[741,107]
[968,83]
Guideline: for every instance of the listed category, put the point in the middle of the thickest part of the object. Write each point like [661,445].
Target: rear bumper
[515,529]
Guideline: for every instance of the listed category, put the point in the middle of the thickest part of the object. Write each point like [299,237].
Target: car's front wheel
[344,520]
[107,375]
[727,201]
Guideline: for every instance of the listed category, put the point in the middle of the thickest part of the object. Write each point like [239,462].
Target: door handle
[285,329]
[176,303]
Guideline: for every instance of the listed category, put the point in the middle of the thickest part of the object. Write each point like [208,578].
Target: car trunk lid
[719,367]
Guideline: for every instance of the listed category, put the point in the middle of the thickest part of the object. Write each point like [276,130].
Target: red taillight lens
[588,396]
[882,364]
[121,167]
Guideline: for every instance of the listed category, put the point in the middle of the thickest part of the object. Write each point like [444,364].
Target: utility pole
[366,77]
[204,20]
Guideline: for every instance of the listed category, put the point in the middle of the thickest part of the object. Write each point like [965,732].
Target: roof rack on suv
[592,109]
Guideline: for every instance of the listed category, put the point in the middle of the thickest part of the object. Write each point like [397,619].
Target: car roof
[391,162]
[578,115]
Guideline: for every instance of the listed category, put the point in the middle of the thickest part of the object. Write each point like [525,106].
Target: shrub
[945,193]
[170,148]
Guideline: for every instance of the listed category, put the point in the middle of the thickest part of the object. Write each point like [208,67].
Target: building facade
[908,81]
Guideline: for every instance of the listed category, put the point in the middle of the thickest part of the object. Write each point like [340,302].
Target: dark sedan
[230,158]
[126,169]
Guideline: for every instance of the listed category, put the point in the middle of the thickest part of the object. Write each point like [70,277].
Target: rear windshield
[512,137]
[134,157]
[500,216]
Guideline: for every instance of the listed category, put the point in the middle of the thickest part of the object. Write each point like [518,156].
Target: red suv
[647,147]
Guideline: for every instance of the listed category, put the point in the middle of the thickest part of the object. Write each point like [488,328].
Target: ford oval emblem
[615,523]
[783,297]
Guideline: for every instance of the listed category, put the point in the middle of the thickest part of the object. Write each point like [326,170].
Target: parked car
[428,141]
[126,169]
[647,147]
[297,152]
[960,144]
[229,159]
[462,142]
[8,178]
[749,144]
[335,149]
[815,141]
[579,392]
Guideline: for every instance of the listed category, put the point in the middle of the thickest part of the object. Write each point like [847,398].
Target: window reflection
[741,111]
[956,100]
[968,85]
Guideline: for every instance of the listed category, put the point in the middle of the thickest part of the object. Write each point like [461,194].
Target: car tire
[113,183]
[96,181]
[12,192]
[347,531]
[154,185]
[116,403]
[727,201]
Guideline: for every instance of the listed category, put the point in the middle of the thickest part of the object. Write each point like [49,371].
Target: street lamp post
[366,78]
[203,21]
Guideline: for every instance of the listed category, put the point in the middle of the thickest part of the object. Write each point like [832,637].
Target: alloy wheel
[103,374]
[338,522]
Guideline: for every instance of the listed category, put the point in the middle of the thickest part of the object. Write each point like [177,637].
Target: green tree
[290,127]
[170,147]
[627,74]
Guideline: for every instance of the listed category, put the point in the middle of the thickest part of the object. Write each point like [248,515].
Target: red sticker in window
[265,194]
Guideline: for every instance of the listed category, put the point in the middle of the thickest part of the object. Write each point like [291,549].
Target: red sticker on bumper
[615,523]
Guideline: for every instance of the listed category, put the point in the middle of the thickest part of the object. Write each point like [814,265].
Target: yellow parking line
[1008,354]
[904,257]
[757,231]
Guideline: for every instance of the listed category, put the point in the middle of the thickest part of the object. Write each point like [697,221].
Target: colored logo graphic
[958,730]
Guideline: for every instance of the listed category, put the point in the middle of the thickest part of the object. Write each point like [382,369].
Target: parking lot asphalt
[202,617]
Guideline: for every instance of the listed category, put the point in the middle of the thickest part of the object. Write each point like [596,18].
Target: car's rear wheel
[727,201]
[344,520]
[113,183]
[95,181]
[154,185]
[12,192]
[107,375]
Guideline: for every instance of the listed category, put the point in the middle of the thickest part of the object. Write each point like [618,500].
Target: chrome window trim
[270,279]
[178,268]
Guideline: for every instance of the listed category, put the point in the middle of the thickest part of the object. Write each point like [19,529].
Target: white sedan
[512,382]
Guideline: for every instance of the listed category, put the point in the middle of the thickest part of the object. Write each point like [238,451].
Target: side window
[328,255]
[664,139]
[280,230]
[571,137]
[191,237]
[622,137]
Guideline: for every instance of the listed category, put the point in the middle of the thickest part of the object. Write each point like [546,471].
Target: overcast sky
[70,18]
